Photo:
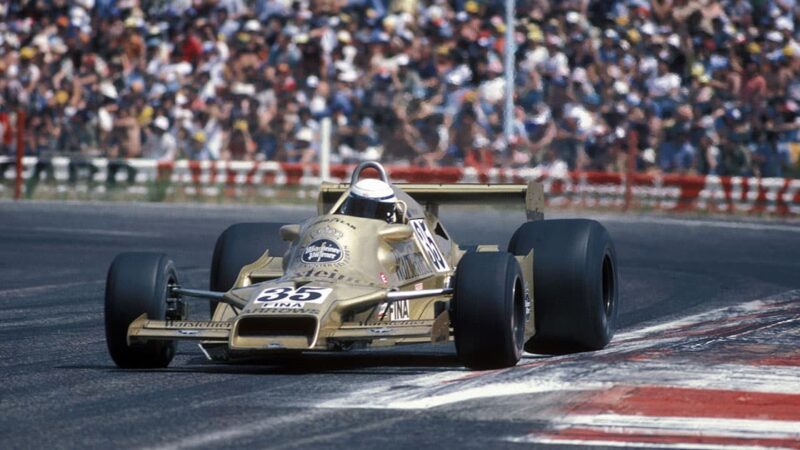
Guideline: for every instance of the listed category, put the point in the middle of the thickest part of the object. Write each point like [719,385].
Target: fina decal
[383,278]
[322,251]
[395,311]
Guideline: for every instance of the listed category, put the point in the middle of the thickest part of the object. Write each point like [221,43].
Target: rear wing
[433,195]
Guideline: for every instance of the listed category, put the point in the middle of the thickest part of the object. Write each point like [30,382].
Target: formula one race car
[376,267]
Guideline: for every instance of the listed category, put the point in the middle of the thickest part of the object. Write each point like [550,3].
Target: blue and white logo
[322,251]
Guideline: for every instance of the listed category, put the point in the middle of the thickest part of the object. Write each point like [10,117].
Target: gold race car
[376,267]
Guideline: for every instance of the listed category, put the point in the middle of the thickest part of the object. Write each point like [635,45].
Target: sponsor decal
[291,298]
[404,323]
[290,310]
[324,251]
[188,332]
[383,278]
[337,220]
[411,265]
[528,304]
[381,330]
[325,231]
[328,275]
[425,238]
[418,286]
[180,324]
[395,311]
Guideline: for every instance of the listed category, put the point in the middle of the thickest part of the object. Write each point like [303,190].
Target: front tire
[138,283]
[239,245]
[488,311]
[575,284]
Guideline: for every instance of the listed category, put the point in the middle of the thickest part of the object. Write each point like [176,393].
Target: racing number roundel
[304,294]
[429,245]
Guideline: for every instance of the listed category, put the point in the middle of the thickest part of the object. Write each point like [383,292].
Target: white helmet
[370,198]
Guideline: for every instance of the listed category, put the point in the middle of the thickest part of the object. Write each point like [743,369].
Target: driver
[371,198]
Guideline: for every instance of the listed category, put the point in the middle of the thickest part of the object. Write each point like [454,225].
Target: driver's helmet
[370,198]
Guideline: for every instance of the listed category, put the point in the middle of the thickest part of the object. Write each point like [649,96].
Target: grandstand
[688,87]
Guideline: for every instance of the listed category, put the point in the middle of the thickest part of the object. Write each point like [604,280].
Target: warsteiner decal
[404,323]
[327,275]
[281,310]
[322,251]
[181,324]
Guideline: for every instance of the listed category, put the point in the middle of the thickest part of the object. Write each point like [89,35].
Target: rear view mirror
[290,233]
[396,232]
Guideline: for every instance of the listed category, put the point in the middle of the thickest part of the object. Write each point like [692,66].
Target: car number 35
[305,294]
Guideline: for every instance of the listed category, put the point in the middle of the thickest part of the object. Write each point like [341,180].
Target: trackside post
[20,153]
[633,151]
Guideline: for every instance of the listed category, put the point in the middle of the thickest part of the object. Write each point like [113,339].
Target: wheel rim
[518,316]
[168,297]
[608,285]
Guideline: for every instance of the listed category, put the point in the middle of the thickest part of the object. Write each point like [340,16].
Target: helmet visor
[371,209]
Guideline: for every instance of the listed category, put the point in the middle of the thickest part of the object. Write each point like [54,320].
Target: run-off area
[727,378]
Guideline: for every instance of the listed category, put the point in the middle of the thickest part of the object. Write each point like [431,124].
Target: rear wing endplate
[433,195]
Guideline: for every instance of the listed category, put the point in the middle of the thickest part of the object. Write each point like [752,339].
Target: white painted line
[385,397]
[225,436]
[601,443]
[725,377]
[714,314]
[572,373]
[33,290]
[96,232]
[325,439]
[45,288]
[56,321]
[684,426]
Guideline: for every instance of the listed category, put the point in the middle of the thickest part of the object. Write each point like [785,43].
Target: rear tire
[239,245]
[137,283]
[488,312]
[575,284]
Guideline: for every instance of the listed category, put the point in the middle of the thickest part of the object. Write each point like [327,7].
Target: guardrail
[669,192]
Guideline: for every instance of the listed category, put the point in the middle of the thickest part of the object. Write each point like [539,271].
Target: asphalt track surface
[693,280]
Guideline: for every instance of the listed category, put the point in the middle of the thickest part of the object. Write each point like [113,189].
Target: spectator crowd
[695,87]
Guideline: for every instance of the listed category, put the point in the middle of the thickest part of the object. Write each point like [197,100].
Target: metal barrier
[669,192]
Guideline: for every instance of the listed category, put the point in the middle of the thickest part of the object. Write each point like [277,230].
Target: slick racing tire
[238,246]
[488,311]
[138,283]
[575,284]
